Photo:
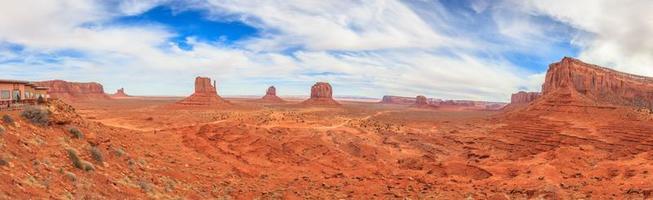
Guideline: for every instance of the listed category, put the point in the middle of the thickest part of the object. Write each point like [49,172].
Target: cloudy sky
[452,49]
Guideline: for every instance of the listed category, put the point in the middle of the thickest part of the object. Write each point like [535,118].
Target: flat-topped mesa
[523,97]
[120,93]
[271,95]
[600,85]
[397,100]
[73,91]
[205,94]
[321,94]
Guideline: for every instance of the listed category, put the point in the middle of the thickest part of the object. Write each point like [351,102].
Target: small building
[17,90]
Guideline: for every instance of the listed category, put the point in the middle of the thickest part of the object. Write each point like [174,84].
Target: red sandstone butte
[321,94]
[522,97]
[421,100]
[120,93]
[205,94]
[397,100]
[574,86]
[271,95]
[74,91]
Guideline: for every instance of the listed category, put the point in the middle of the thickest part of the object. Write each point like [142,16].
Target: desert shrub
[72,177]
[119,151]
[7,119]
[36,115]
[3,161]
[96,153]
[78,162]
[76,132]
[2,130]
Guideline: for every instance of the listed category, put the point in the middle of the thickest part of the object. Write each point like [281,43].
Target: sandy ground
[355,151]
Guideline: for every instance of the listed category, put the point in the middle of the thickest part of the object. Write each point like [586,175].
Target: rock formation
[120,93]
[73,91]
[397,100]
[271,95]
[591,83]
[205,94]
[421,100]
[321,94]
[522,97]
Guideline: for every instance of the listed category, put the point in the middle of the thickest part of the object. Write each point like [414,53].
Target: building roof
[13,81]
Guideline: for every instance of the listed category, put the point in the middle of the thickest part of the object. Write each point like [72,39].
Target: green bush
[7,119]
[71,176]
[96,153]
[76,133]
[36,115]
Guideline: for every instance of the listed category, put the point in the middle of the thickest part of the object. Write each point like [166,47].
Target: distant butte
[74,91]
[205,94]
[321,94]
[522,97]
[120,93]
[271,95]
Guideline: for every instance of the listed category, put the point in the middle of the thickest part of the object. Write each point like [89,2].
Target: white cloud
[614,33]
[367,48]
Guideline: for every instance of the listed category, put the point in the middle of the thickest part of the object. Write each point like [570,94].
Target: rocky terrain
[205,94]
[321,94]
[271,95]
[74,91]
[569,143]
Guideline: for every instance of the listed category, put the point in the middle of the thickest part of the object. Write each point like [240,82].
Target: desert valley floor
[254,150]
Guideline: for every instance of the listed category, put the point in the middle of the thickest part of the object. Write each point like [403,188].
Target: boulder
[321,94]
[205,94]
[64,90]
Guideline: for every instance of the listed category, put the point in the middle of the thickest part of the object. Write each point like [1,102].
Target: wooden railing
[9,105]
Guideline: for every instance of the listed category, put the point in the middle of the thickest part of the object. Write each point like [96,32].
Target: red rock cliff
[522,97]
[74,91]
[205,94]
[598,84]
[321,94]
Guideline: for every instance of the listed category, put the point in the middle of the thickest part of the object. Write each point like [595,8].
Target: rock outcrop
[271,95]
[522,97]
[421,100]
[205,94]
[397,100]
[580,82]
[120,93]
[73,91]
[321,94]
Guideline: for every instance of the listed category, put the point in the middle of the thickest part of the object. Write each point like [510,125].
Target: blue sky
[451,49]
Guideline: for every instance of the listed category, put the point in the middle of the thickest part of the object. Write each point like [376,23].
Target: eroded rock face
[522,97]
[205,94]
[271,95]
[599,84]
[421,100]
[321,94]
[397,100]
[74,91]
[120,93]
